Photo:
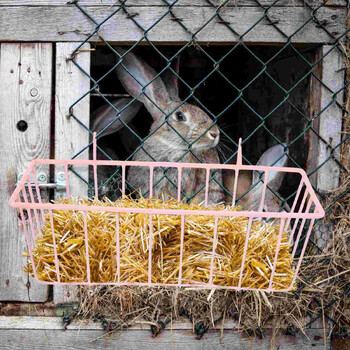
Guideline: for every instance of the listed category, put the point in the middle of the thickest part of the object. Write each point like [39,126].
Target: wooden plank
[238,3]
[70,136]
[55,323]
[134,339]
[315,98]
[331,118]
[179,335]
[25,94]
[330,128]
[68,23]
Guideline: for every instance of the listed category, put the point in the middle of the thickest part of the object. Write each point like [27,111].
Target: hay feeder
[164,242]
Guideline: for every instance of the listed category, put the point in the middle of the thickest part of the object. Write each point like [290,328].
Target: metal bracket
[59,185]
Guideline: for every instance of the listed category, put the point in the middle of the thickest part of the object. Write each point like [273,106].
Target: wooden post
[25,95]
[70,136]
[329,128]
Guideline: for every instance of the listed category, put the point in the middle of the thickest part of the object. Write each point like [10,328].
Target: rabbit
[110,183]
[274,156]
[175,125]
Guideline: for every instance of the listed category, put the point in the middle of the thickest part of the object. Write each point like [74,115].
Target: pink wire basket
[305,209]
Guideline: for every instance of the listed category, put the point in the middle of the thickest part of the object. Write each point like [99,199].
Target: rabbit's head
[176,125]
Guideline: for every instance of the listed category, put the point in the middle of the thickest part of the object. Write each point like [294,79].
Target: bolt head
[61,177]
[42,177]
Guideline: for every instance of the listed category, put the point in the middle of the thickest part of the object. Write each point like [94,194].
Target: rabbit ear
[274,156]
[136,75]
[105,115]
[171,81]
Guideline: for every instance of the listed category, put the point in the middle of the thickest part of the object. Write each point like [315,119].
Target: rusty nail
[341,69]
[177,19]
[322,23]
[132,15]
[20,82]
[7,282]
[70,113]
[19,64]
[223,22]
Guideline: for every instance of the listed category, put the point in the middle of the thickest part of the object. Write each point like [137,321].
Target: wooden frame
[59,20]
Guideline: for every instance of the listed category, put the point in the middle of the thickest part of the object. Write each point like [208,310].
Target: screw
[60,177]
[28,284]
[22,125]
[7,282]
[11,71]
[42,177]
[20,82]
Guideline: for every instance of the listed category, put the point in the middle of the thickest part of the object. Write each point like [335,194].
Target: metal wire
[314,10]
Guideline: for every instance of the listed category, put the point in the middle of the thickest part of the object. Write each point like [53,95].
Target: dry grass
[165,242]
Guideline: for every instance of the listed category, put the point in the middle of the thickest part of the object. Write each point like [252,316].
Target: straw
[134,243]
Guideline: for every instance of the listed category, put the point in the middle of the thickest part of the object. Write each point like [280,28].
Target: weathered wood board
[331,117]
[25,95]
[68,23]
[329,127]
[46,333]
[70,136]
[177,3]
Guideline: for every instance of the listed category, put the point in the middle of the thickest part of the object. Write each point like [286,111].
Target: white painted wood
[163,4]
[70,136]
[46,333]
[68,23]
[25,94]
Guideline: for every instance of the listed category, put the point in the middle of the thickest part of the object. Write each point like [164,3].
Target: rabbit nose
[212,134]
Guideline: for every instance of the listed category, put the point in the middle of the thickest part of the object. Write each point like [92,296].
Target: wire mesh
[109,184]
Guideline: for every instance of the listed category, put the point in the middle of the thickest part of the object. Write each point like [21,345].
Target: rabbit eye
[180,117]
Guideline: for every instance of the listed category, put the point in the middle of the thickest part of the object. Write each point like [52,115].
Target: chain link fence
[247,90]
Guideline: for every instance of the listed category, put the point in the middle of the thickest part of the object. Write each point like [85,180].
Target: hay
[118,308]
[166,240]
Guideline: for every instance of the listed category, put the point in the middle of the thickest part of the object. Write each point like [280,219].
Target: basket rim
[317,214]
